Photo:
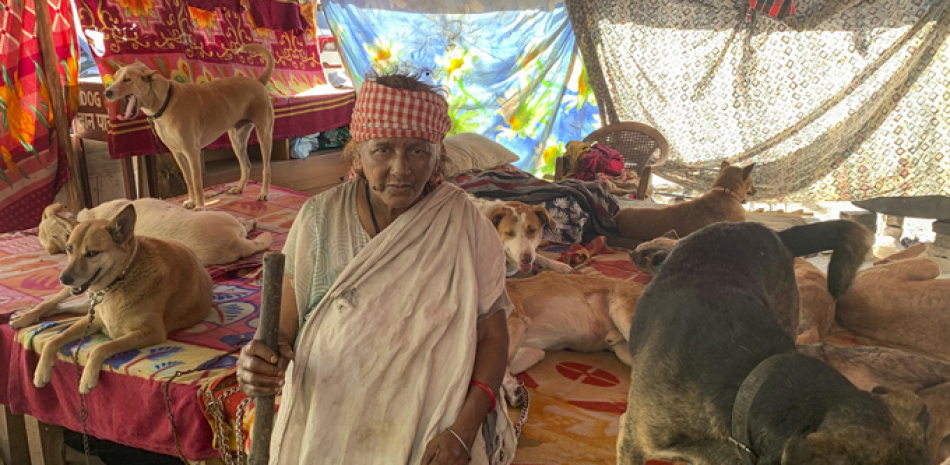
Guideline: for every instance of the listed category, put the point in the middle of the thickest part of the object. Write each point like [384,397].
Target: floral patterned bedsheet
[128,405]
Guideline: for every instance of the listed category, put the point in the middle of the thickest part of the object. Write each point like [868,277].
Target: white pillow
[474,152]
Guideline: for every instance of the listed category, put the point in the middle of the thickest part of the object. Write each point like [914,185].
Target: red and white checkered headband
[382,111]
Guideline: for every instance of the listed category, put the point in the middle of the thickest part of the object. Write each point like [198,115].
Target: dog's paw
[613,338]
[235,190]
[42,376]
[562,268]
[189,204]
[262,197]
[200,209]
[515,392]
[24,318]
[89,380]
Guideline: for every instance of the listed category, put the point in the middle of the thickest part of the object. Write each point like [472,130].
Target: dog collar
[161,111]
[729,192]
[740,437]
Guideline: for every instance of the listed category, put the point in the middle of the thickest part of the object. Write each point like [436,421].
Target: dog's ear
[725,164]
[497,214]
[747,171]
[52,209]
[814,449]
[671,234]
[122,226]
[148,74]
[905,407]
[544,216]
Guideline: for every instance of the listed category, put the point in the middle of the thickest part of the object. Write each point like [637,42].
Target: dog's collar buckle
[743,451]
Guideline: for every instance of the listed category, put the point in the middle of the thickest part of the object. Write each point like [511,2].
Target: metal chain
[204,366]
[215,408]
[239,431]
[96,299]
[524,410]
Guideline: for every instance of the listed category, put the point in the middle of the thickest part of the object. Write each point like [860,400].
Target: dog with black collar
[716,378]
[189,117]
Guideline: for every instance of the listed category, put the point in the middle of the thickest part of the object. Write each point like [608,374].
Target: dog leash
[741,438]
[94,300]
[168,408]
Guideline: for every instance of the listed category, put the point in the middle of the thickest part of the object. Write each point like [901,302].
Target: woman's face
[398,168]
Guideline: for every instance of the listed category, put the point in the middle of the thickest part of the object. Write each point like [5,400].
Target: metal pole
[267,333]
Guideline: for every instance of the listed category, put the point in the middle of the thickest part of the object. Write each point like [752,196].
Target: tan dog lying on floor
[817,305]
[722,203]
[216,237]
[578,312]
[149,287]
[520,226]
[900,301]
[189,117]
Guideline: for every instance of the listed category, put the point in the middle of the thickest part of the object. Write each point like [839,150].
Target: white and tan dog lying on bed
[216,237]
[149,287]
[584,313]
[520,226]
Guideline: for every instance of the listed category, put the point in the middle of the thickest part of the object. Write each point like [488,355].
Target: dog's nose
[66,279]
[526,260]
[109,94]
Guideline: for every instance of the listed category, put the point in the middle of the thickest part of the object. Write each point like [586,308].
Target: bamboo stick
[44,32]
[267,332]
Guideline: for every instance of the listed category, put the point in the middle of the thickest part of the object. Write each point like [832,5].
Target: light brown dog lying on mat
[577,312]
[900,302]
[891,369]
[189,117]
[149,287]
[722,203]
[216,237]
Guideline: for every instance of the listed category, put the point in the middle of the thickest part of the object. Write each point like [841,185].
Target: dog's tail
[849,241]
[247,247]
[268,58]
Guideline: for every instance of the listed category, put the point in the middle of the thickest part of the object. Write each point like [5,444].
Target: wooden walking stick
[267,332]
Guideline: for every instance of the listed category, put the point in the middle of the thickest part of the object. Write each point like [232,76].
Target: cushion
[474,152]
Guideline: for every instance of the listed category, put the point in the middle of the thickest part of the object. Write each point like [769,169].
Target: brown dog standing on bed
[555,311]
[149,288]
[722,203]
[724,302]
[189,117]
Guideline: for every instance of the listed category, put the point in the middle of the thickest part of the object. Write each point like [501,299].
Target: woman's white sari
[383,361]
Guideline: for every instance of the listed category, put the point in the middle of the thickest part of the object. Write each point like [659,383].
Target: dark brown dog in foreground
[872,368]
[150,288]
[723,202]
[189,117]
[723,302]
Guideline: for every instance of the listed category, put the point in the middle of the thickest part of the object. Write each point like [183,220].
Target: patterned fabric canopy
[32,165]
[509,67]
[843,100]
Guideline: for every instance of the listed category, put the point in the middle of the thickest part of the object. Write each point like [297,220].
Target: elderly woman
[394,305]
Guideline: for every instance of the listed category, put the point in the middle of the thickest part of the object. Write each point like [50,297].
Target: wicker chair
[637,142]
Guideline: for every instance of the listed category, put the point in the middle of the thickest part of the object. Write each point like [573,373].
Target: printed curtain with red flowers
[32,165]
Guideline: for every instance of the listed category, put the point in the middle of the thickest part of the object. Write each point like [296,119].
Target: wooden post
[46,442]
[267,332]
[44,32]
[14,446]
